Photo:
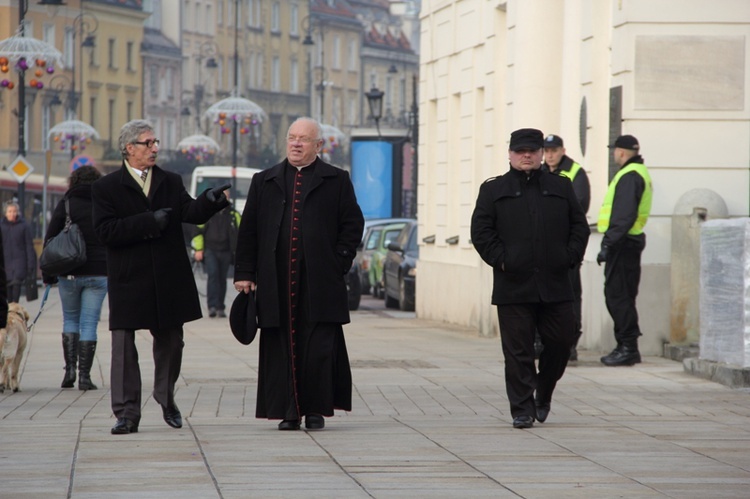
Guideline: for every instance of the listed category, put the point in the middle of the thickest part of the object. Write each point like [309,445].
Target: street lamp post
[310,27]
[86,24]
[207,49]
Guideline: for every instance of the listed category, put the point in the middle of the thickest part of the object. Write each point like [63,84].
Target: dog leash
[41,307]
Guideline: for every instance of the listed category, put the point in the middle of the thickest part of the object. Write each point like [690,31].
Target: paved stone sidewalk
[430,419]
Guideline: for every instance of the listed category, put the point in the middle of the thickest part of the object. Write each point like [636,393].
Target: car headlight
[412,272]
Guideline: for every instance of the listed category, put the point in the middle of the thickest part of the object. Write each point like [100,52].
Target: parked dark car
[400,269]
[354,286]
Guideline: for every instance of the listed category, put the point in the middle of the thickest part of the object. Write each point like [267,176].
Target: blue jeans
[217,267]
[82,299]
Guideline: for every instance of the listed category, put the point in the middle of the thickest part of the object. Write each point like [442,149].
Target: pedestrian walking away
[214,244]
[530,228]
[298,236]
[138,214]
[82,290]
[557,162]
[18,251]
[623,215]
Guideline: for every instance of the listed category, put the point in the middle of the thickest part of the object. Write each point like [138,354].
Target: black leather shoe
[289,425]
[314,422]
[523,422]
[212,312]
[542,411]
[124,426]
[172,416]
[573,355]
[622,355]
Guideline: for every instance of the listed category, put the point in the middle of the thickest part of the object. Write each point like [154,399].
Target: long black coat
[531,232]
[151,285]
[18,249]
[331,230]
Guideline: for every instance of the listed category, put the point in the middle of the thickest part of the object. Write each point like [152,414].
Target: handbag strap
[68,220]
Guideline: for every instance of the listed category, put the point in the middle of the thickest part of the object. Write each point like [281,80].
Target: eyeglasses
[148,143]
[304,140]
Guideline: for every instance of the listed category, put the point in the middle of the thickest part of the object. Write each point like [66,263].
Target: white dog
[12,346]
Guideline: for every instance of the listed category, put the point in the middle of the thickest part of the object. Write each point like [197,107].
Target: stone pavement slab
[430,419]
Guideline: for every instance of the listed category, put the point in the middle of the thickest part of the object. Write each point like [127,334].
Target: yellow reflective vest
[571,174]
[644,207]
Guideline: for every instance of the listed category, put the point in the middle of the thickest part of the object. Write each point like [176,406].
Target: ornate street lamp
[375,101]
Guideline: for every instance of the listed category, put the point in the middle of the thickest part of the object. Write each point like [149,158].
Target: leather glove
[162,218]
[216,194]
[602,256]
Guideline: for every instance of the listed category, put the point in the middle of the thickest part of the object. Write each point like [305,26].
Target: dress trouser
[125,375]
[555,323]
[622,275]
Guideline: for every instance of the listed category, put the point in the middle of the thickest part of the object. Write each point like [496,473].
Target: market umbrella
[237,109]
[198,145]
[19,47]
[333,138]
[72,131]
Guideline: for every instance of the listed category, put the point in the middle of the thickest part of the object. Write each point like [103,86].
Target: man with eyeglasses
[298,236]
[530,228]
[138,214]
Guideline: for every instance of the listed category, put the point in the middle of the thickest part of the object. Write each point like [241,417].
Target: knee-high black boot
[86,352]
[70,352]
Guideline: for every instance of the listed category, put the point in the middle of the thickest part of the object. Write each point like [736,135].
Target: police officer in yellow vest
[558,163]
[623,215]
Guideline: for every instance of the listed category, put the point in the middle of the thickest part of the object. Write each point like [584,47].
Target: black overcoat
[151,284]
[331,230]
[531,232]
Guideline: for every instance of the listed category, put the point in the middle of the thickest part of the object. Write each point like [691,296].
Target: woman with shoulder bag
[82,290]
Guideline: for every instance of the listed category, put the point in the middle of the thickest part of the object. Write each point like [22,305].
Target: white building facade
[674,73]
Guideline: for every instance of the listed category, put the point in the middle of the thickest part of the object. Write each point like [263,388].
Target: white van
[207,177]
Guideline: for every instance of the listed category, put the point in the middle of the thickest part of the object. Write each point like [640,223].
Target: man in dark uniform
[557,162]
[298,236]
[138,211]
[214,245]
[624,213]
[530,228]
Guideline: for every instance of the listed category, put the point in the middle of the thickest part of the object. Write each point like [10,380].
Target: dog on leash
[12,346]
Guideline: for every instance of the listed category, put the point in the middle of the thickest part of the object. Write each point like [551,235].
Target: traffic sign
[20,168]
[81,160]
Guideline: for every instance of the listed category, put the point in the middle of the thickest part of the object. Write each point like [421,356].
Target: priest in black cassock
[298,236]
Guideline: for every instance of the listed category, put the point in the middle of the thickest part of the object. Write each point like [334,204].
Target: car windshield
[390,236]
[372,240]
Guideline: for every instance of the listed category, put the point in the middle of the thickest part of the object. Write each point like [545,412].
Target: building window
[153,81]
[294,21]
[275,17]
[220,12]
[170,134]
[353,111]
[336,52]
[69,48]
[129,110]
[170,83]
[353,55]
[294,77]
[259,71]
[92,111]
[111,53]
[49,34]
[129,56]
[275,74]
[112,121]
[389,95]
